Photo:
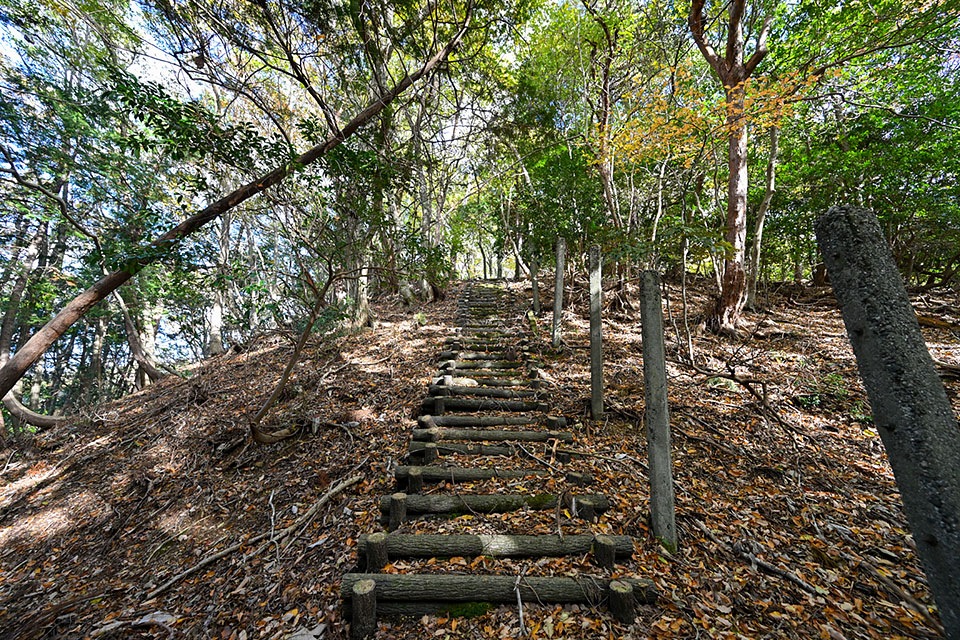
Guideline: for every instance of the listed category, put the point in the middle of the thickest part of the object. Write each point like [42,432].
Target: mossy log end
[495,589]
[453,474]
[491,435]
[499,503]
[498,546]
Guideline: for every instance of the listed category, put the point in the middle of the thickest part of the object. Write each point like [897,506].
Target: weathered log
[479,404]
[465,449]
[363,600]
[444,390]
[498,546]
[426,435]
[430,452]
[414,479]
[458,354]
[396,508]
[622,601]
[499,589]
[474,421]
[453,474]
[462,365]
[499,503]
[605,551]
[376,550]
[490,435]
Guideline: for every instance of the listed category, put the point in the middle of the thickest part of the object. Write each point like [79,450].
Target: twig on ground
[231,549]
[532,455]
[755,562]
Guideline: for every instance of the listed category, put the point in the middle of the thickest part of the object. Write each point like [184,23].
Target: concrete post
[657,412]
[596,336]
[558,290]
[910,408]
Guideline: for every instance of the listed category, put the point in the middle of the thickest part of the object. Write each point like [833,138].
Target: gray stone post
[596,335]
[657,412]
[558,290]
[910,407]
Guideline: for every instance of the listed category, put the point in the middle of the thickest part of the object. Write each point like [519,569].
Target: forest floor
[96,514]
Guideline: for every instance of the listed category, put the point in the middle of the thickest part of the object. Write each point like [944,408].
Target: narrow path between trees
[486,451]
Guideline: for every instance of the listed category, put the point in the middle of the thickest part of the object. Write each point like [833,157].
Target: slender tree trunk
[28,353]
[761,217]
[215,318]
[147,369]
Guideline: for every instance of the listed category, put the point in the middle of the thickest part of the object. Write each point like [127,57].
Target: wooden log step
[425,422]
[471,342]
[482,364]
[477,374]
[490,435]
[465,449]
[452,588]
[454,390]
[487,503]
[475,355]
[441,404]
[455,474]
[480,381]
[399,545]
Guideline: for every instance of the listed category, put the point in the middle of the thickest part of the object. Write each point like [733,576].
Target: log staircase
[486,404]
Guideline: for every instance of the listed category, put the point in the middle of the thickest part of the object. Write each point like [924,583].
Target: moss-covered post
[596,336]
[657,412]
[910,407]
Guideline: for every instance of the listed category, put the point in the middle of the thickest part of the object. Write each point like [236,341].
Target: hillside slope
[106,509]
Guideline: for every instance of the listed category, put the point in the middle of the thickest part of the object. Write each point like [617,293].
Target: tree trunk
[761,217]
[733,74]
[214,344]
[28,353]
[733,290]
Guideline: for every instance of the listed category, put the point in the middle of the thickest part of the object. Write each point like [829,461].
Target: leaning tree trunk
[27,354]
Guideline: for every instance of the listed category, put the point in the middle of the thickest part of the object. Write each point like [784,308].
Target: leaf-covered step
[427,421]
[454,390]
[437,405]
[417,448]
[458,474]
[499,503]
[490,435]
[449,589]
[398,545]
